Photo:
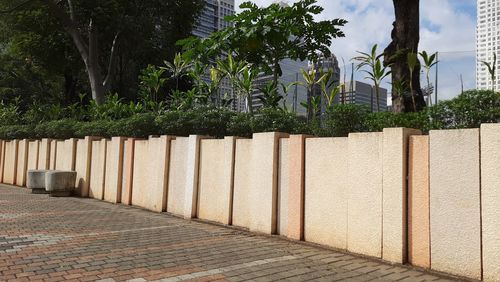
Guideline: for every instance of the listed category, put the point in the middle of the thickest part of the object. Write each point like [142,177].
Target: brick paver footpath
[72,239]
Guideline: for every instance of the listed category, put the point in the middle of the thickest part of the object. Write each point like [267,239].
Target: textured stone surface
[490,199]
[114,170]
[216,179]
[53,154]
[177,175]
[455,202]
[86,240]
[296,182]
[151,165]
[418,202]
[33,149]
[326,191]
[2,155]
[264,182]
[283,186]
[36,179]
[394,209]
[364,215]
[10,162]
[22,162]
[98,169]
[60,181]
[242,180]
[44,154]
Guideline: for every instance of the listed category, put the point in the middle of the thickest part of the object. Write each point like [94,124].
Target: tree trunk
[405,38]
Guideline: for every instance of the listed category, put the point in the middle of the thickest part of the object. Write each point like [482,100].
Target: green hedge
[468,110]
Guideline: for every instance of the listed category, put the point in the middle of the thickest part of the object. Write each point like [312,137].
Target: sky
[447,27]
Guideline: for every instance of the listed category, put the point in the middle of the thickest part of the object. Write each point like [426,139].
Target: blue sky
[448,26]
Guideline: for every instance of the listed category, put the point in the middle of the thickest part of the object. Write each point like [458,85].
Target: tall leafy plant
[374,68]
[429,62]
[412,60]
[492,66]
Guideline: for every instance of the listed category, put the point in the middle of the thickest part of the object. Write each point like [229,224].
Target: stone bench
[60,183]
[36,181]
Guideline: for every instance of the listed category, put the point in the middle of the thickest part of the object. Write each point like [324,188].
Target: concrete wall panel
[418,202]
[326,191]
[242,182]
[44,154]
[53,154]
[296,183]
[82,165]
[394,209]
[10,162]
[22,163]
[2,155]
[490,199]
[455,202]
[216,180]
[283,186]
[65,154]
[177,175]
[114,170]
[33,149]
[151,165]
[364,232]
[98,169]
[128,171]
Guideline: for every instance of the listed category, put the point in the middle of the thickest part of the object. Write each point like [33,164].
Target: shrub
[276,120]
[340,120]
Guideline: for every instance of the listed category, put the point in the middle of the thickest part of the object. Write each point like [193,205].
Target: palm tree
[429,62]
[376,70]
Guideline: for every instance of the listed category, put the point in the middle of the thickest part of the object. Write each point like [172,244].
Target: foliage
[429,62]
[343,119]
[492,68]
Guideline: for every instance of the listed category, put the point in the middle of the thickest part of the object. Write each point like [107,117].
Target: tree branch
[19,6]
[71,10]
[71,28]
[112,63]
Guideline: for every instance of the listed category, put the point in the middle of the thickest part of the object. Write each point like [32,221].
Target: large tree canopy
[105,42]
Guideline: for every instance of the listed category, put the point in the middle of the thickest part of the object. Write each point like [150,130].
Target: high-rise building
[211,20]
[361,93]
[323,65]
[487,41]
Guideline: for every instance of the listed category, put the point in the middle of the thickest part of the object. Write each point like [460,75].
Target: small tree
[376,70]
[429,62]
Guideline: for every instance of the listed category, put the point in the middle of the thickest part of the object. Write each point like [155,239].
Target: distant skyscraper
[487,41]
[361,93]
[211,20]
[324,65]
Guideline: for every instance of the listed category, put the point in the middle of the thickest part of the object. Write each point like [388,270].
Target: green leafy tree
[264,36]
[429,62]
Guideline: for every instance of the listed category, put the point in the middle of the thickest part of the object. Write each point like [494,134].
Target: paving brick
[72,239]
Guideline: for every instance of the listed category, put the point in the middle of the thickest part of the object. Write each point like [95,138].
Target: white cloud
[445,28]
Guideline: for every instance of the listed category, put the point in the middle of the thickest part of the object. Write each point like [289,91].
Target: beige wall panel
[98,169]
[44,154]
[296,183]
[242,182]
[53,154]
[455,202]
[151,164]
[490,189]
[395,172]
[177,175]
[2,155]
[326,191]
[418,202]
[22,162]
[128,171]
[33,149]
[264,181]
[114,170]
[82,165]
[65,154]
[364,215]
[283,186]
[10,162]
[216,179]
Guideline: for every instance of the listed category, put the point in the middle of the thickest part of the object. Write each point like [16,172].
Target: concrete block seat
[60,183]
[36,181]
